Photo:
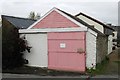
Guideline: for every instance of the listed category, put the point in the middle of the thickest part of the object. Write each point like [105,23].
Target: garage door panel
[67,61]
[70,45]
[66,35]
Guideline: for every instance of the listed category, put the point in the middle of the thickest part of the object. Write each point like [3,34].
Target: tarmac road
[7,76]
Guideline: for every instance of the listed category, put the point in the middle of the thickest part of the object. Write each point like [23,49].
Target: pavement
[8,75]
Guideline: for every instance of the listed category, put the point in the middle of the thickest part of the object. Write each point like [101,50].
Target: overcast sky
[103,10]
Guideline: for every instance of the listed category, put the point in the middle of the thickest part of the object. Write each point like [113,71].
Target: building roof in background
[82,22]
[104,25]
[21,23]
[116,27]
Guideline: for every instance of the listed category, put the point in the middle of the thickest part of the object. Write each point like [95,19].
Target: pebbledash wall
[101,45]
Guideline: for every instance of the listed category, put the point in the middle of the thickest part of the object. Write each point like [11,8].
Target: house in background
[61,41]
[11,23]
[17,22]
[103,28]
[118,36]
[114,36]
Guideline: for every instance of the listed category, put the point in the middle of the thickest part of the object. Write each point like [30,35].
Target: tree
[13,51]
[34,16]
[37,16]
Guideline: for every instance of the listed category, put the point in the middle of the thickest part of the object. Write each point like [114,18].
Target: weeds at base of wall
[99,67]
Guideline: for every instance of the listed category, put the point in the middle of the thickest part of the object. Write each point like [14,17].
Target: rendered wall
[110,44]
[38,56]
[90,50]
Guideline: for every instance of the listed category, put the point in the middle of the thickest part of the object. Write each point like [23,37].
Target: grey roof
[21,23]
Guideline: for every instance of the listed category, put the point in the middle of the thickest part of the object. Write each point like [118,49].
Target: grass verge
[100,67]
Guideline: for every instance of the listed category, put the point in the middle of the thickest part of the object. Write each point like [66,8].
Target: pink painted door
[63,51]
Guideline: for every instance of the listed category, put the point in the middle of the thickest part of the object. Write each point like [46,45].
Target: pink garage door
[63,51]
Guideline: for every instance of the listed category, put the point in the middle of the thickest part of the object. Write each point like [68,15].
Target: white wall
[110,44]
[38,56]
[90,50]
[91,22]
[114,37]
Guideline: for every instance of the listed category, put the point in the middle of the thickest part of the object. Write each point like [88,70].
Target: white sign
[62,45]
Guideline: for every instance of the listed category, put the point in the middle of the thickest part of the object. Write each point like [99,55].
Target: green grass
[118,62]
[100,67]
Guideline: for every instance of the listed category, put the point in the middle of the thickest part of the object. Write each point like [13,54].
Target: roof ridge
[17,17]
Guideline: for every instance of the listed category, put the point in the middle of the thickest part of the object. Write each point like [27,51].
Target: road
[84,77]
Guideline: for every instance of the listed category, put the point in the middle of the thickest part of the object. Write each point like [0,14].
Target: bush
[12,49]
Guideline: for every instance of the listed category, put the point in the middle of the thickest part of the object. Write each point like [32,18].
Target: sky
[104,10]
